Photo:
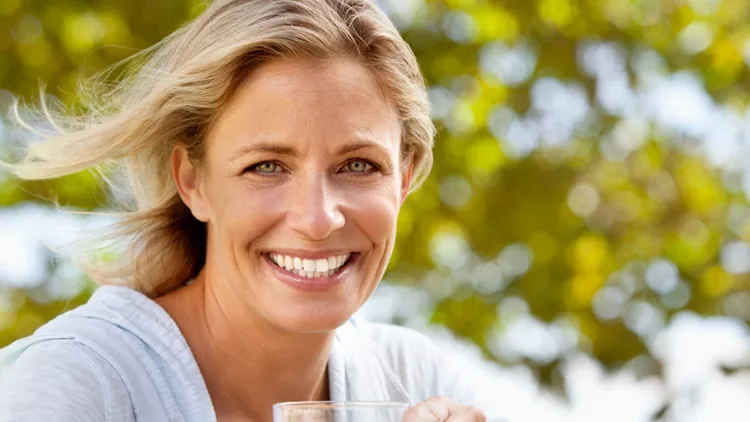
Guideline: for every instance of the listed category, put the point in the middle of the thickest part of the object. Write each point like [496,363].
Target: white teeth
[319,267]
[308,264]
[341,259]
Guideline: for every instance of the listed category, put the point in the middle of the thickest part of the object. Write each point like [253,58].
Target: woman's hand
[441,409]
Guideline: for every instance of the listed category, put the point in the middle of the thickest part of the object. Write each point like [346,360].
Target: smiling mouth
[312,268]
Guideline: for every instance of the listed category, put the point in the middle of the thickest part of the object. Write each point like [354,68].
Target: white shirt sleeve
[426,370]
[53,380]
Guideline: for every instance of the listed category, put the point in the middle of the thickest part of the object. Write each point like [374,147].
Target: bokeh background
[583,238]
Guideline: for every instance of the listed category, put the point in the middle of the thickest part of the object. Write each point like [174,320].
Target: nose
[315,211]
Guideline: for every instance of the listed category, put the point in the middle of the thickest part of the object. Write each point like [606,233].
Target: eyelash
[374,167]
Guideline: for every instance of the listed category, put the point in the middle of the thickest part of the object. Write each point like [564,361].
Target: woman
[269,146]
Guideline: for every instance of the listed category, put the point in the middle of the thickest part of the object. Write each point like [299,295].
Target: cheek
[244,215]
[375,210]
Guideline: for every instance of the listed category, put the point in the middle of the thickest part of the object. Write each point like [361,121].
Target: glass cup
[326,411]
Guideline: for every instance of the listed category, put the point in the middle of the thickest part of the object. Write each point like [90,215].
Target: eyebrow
[358,145]
[264,147]
[274,148]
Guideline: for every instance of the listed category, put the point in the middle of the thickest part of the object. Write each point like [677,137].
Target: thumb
[434,409]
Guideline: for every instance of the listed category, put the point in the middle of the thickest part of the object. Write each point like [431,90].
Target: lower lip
[313,283]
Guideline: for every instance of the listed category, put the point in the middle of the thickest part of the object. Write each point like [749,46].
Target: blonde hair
[181,87]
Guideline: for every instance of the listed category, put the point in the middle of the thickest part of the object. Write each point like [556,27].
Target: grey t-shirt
[121,357]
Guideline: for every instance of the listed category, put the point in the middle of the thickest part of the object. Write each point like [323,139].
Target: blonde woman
[269,146]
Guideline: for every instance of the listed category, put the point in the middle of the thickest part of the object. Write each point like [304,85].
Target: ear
[189,180]
[407,171]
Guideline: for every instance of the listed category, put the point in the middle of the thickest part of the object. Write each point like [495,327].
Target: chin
[322,321]
[311,300]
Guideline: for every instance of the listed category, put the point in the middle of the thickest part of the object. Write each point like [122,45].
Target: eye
[360,166]
[266,167]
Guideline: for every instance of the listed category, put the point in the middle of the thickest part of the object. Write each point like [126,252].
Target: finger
[434,409]
[467,414]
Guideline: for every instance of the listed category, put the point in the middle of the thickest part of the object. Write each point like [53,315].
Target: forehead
[308,102]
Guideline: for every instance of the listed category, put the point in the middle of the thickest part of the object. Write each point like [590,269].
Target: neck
[248,364]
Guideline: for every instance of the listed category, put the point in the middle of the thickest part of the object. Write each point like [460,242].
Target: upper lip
[310,254]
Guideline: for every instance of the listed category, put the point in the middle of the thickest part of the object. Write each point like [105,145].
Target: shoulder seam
[76,346]
[100,376]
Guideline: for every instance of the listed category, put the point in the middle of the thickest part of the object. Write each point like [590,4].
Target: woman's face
[301,187]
